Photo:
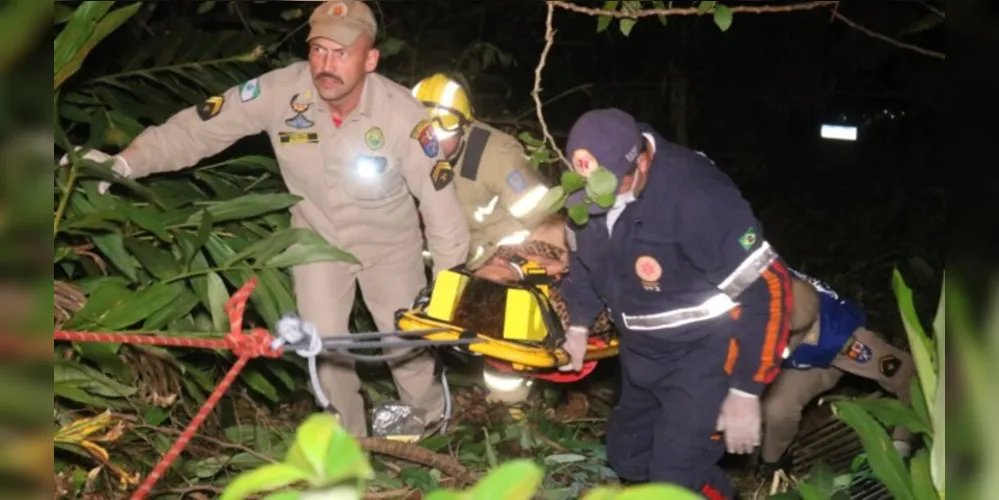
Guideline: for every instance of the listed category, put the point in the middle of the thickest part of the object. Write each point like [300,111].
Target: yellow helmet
[447,103]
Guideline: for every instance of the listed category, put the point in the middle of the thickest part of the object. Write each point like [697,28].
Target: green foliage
[923,479]
[326,460]
[721,14]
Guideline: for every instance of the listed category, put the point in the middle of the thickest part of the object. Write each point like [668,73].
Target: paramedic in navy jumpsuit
[701,300]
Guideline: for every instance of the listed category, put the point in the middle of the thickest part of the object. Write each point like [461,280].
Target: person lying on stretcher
[538,263]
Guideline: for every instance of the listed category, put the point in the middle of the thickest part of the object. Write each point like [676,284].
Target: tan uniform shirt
[500,195]
[356,180]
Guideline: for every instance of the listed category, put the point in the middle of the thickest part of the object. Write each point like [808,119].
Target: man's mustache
[329,75]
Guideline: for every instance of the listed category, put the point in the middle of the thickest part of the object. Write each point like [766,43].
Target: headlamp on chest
[369,167]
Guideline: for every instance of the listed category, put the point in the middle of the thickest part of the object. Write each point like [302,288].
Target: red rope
[245,346]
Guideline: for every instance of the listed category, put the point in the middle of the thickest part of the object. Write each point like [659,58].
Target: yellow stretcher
[532,333]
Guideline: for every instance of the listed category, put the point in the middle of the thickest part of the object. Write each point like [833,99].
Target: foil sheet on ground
[394,418]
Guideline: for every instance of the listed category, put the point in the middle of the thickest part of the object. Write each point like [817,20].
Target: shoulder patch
[423,132]
[748,239]
[249,90]
[211,107]
[442,174]
[516,181]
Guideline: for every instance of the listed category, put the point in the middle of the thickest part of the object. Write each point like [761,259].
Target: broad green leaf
[247,206]
[626,24]
[605,200]
[204,231]
[723,17]
[146,220]
[553,200]
[218,295]
[660,4]
[78,30]
[287,495]
[663,491]
[89,379]
[158,262]
[268,477]
[443,494]
[918,342]
[112,246]
[102,220]
[891,412]
[529,139]
[71,392]
[808,491]
[105,27]
[704,7]
[105,356]
[604,21]
[391,46]
[140,305]
[602,493]
[311,248]
[513,480]
[268,247]
[601,181]
[177,309]
[256,381]
[571,181]
[822,478]
[327,453]
[579,213]
[885,462]
[922,478]
[206,467]
[105,295]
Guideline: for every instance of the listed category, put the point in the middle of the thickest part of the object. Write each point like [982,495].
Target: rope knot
[253,345]
[258,342]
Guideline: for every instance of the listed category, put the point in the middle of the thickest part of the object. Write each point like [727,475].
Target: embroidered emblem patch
[423,132]
[299,121]
[337,10]
[374,138]
[858,352]
[210,108]
[748,239]
[441,175]
[249,90]
[516,181]
[292,138]
[649,271]
[583,162]
[889,365]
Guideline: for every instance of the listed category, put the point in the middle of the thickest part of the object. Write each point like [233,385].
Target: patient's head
[545,246]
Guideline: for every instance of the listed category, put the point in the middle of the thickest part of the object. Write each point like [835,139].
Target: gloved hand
[903,448]
[741,421]
[119,167]
[575,346]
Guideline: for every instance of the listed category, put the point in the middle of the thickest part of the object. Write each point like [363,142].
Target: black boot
[767,469]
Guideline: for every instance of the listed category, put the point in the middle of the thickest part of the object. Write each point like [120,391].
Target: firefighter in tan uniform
[497,187]
[356,147]
[828,340]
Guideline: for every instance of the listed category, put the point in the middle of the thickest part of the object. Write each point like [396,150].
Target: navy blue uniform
[703,305]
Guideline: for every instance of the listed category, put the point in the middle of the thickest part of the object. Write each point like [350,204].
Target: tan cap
[342,21]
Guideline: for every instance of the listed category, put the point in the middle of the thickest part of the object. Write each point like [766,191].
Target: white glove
[903,448]
[119,167]
[575,346]
[741,421]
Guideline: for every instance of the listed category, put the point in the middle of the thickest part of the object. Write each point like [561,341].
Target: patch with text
[649,271]
[292,138]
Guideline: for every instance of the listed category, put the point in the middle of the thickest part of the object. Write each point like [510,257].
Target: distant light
[839,132]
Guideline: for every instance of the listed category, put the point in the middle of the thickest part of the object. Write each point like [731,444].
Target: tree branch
[689,11]
[884,38]
[535,93]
